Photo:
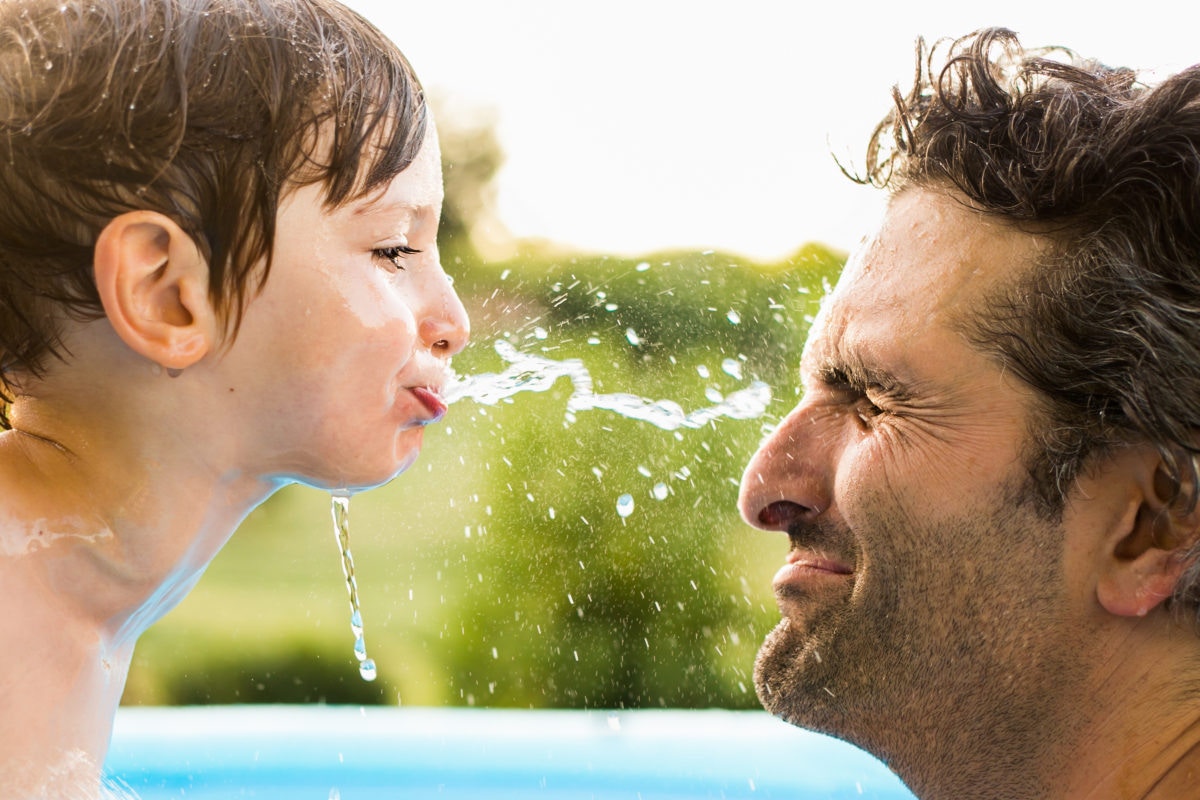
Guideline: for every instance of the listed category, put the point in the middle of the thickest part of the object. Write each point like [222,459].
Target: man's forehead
[932,255]
[929,268]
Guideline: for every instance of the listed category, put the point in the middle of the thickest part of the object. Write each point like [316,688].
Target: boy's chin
[349,478]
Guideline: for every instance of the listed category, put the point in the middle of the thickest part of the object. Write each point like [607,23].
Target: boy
[218,275]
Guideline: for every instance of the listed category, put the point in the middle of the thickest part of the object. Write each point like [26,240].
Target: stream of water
[533,373]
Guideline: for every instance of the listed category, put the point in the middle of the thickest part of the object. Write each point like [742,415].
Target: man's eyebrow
[854,373]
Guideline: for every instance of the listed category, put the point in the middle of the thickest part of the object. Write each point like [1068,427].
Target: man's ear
[1142,561]
[153,283]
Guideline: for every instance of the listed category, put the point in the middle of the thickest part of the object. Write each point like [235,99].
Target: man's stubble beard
[950,656]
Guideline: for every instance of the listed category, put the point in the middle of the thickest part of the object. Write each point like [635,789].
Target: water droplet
[713,395]
[367,669]
[624,505]
[643,471]
[642,267]
[49,65]
[611,306]
[360,649]
[593,340]
[539,333]
[733,317]
[660,491]
[732,367]
[614,722]
[703,371]
[632,336]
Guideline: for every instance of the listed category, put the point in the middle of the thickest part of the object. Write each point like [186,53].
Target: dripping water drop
[340,509]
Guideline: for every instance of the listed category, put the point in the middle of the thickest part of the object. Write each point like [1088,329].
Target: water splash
[340,509]
[533,373]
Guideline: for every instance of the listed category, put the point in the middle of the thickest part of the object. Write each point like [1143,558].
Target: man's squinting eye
[867,410]
[858,394]
[395,255]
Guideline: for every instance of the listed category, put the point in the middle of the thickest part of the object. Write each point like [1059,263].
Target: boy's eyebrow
[378,206]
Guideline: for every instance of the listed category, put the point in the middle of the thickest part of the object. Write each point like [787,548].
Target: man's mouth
[803,559]
[808,573]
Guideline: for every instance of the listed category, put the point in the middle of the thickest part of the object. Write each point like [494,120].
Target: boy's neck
[120,530]
[100,535]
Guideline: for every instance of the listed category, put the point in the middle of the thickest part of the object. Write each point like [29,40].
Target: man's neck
[1143,741]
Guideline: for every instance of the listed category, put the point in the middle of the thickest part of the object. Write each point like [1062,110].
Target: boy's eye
[395,255]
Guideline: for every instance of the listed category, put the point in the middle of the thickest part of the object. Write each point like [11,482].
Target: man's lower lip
[808,576]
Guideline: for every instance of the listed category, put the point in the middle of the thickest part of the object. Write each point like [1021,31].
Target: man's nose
[790,478]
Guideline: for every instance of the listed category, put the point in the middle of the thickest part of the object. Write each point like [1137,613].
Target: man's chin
[775,667]
[790,680]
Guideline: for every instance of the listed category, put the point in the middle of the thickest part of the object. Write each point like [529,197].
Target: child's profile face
[342,356]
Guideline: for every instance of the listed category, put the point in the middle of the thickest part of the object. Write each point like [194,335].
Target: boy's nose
[446,331]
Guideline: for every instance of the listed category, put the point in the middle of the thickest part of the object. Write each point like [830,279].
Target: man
[990,485]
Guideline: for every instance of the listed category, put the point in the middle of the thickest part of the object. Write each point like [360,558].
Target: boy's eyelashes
[395,255]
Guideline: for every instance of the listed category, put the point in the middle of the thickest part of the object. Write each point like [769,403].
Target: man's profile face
[923,600]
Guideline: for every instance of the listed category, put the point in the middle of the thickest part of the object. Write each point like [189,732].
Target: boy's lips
[432,400]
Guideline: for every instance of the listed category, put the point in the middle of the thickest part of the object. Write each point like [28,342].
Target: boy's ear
[1143,558]
[153,283]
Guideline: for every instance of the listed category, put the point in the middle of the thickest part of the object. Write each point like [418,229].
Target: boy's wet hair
[204,110]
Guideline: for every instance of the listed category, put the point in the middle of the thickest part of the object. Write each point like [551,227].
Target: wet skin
[121,483]
[351,336]
[925,605]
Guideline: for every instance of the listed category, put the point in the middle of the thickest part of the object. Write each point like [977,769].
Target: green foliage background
[497,572]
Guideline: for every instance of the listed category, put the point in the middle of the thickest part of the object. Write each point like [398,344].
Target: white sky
[636,125]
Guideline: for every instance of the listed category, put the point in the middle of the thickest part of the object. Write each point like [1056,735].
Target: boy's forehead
[415,188]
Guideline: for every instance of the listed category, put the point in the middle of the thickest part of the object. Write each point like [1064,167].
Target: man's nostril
[780,514]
